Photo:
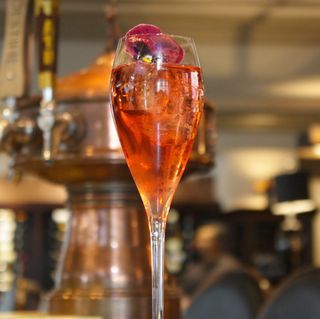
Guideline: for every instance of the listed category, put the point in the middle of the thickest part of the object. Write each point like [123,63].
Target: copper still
[104,267]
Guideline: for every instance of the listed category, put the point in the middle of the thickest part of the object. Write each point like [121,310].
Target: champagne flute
[157,99]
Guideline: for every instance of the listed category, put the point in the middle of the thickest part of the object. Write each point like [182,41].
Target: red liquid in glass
[157,112]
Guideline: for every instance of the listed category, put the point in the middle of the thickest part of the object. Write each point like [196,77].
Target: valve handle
[14,75]
[47,14]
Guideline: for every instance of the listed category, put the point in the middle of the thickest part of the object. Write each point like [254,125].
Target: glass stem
[157,236]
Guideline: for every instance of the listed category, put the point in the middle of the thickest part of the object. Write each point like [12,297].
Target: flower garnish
[146,42]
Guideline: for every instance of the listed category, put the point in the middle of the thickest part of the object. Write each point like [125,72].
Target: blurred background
[261,65]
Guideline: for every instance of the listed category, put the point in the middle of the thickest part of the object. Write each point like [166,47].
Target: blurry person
[212,245]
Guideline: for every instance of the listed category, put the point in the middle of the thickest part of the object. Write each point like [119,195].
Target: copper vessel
[104,268]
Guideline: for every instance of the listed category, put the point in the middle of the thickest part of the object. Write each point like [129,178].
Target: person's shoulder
[228,261]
